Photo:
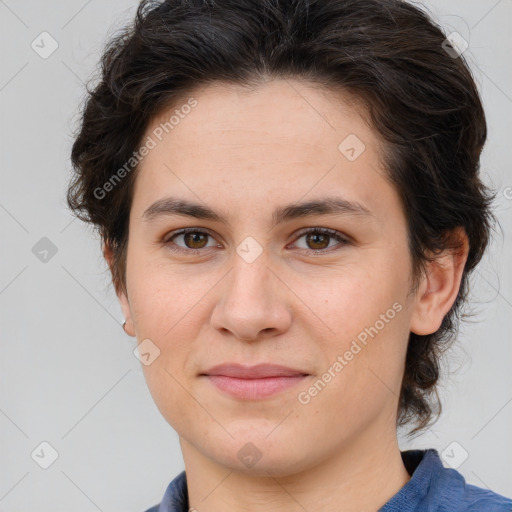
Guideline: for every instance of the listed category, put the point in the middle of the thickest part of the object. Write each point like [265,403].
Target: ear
[123,299]
[439,288]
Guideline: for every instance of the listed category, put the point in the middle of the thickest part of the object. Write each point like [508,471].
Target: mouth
[253,382]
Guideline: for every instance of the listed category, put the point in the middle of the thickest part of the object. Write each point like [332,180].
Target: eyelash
[324,231]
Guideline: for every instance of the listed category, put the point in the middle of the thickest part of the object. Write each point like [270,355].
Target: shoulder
[449,488]
[435,488]
[477,499]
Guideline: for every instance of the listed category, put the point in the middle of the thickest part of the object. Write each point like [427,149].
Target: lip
[253,382]
[258,371]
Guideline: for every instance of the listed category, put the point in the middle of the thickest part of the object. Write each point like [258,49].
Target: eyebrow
[169,206]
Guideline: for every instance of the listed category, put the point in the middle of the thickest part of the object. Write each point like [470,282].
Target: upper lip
[253,372]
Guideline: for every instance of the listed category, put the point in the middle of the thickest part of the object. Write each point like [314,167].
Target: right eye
[194,241]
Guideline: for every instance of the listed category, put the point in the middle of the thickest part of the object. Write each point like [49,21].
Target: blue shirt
[432,488]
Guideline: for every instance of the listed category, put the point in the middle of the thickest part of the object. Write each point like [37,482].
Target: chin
[253,453]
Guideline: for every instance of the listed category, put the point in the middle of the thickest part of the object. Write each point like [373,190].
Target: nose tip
[249,305]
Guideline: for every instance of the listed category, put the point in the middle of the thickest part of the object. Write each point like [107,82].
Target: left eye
[316,239]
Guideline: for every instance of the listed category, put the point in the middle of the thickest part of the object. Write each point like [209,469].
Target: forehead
[277,142]
[284,111]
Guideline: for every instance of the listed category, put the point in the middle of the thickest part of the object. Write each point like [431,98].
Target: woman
[289,202]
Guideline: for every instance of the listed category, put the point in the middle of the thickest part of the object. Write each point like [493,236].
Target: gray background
[68,374]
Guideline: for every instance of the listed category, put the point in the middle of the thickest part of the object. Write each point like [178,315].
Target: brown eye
[318,240]
[195,240]
[189,241]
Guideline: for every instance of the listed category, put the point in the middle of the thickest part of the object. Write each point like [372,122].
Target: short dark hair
[387,54]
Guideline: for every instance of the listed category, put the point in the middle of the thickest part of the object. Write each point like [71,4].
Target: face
[249,285]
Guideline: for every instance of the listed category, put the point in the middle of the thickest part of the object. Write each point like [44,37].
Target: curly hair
[416,90]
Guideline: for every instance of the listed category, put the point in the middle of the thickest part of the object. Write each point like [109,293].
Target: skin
[244,153]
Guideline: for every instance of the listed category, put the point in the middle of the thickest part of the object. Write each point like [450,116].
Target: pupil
[195,238]
[315,238]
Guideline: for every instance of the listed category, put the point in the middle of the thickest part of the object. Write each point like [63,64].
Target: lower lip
[253,389]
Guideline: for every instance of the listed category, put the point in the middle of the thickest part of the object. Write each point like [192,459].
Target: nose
[253,302]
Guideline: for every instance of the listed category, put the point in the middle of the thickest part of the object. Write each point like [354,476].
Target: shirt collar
[424,466]
[176,496]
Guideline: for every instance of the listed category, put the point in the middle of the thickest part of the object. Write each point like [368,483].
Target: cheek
[361,380]
[364,347]
[351,301]
[161,300]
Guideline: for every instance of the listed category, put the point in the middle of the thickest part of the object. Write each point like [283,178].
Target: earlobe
[128,326]
[439,288]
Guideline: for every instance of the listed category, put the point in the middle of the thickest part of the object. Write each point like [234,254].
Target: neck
[356,478]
